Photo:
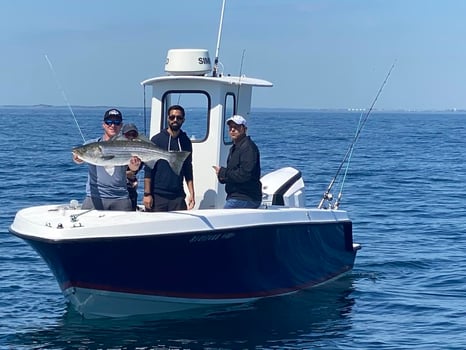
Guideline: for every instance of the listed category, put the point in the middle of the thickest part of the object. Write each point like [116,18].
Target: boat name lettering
[205,238]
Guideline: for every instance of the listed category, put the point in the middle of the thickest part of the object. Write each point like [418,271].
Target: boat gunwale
[164,234]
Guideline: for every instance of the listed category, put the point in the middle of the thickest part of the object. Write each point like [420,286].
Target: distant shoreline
[258,109]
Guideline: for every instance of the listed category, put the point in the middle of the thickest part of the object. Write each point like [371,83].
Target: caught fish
[119,151]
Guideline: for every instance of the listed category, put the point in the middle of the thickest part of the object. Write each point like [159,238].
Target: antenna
[214,71]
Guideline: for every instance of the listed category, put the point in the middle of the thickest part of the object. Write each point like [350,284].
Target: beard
[174,127]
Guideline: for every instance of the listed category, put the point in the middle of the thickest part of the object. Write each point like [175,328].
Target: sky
[317,53]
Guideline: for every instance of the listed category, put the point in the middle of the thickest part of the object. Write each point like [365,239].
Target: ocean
[405,191]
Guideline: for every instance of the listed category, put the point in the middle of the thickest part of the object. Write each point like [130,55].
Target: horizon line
[329,109]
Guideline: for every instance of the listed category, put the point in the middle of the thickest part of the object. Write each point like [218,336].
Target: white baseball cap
[239,120]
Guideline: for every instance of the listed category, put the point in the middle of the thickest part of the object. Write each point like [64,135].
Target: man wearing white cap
[242,173]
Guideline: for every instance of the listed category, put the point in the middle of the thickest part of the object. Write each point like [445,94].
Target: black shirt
[242,174]
[164,181]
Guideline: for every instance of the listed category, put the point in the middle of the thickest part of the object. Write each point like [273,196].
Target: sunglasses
[111,121]
[177,117]
[234,127]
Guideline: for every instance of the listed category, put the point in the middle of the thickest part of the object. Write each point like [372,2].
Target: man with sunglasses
[163,188]
[106,186]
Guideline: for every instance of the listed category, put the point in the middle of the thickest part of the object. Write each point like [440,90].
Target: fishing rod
[327,195]
[340,194]
[214,71]
[64,96]
[144,111]
[239,80]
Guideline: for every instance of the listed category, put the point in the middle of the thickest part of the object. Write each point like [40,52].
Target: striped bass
[119,151]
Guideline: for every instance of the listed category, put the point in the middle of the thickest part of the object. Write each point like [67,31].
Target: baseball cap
[129,127]
[113,114]
[239,120]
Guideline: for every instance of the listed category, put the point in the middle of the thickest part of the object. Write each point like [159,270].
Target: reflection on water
[295,321]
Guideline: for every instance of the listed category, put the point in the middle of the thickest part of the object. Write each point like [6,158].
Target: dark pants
[238,203]
[164,204]
[123,204]
[133,196]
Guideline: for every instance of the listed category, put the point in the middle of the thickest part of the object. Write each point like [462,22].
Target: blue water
[404,191]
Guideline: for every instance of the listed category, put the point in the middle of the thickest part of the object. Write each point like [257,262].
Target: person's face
[236,131]
[112,127]
[175,120]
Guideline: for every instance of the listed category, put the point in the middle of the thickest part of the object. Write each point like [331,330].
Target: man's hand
[134,163]
[191,202]
[77,160]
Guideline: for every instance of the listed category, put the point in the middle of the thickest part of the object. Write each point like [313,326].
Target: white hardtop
[243,80]
[218,97]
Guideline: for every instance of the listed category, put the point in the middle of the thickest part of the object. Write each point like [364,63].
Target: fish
[118,151]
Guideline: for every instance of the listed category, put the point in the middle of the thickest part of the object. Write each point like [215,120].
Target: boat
[120,264]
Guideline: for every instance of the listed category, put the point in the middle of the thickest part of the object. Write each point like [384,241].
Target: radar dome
[188,62]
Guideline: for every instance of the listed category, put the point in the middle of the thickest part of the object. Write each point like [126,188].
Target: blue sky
[318,53]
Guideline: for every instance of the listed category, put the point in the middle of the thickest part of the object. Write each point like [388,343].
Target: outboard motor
[283,187]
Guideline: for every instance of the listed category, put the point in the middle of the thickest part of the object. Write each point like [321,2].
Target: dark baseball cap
[114,114]
[129,127]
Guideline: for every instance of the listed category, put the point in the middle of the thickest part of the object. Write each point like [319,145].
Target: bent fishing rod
[327,195]
[64,96]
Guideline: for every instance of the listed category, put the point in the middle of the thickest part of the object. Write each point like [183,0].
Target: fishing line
[327,195]
[64,96]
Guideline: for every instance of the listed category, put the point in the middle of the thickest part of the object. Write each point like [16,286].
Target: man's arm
[191,197]
[147,199]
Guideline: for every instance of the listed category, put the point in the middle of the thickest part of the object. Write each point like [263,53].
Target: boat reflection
[299,320]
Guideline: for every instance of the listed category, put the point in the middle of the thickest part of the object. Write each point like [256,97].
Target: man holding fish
[110,155]
[106,184]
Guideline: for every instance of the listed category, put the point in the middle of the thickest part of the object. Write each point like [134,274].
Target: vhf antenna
[214,71]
